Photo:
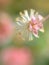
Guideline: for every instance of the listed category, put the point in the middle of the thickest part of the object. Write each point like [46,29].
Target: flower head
[28,24]
[6,28]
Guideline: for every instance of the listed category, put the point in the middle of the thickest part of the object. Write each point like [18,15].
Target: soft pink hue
[6,27]
[36,25]
[17,56]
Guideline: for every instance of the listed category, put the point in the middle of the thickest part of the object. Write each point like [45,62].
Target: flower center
[30,25]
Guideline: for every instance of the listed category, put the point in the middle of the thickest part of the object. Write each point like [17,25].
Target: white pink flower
[16,56]
[28,24]
[6,28]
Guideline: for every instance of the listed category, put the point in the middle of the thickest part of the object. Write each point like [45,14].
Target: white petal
[23,16]
[36,14]
[40,17]
[18,23]
[26,14]
[25,34]
[17,19]
[30,37]
[20,20]
[42,30]
[32,12]
[36,35]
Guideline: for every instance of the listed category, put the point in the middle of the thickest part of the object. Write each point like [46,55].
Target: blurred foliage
[19,5]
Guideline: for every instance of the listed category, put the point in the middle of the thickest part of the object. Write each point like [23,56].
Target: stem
[45,18]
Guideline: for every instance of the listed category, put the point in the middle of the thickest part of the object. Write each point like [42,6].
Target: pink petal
[35,33]
[40,25]
[40,17]
[34,21]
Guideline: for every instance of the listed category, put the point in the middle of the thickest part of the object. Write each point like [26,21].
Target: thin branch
[45,18]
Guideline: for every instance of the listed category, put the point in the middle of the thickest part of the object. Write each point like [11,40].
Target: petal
[23,16]
[36,14]
[30,36]
[26,14]
[40,17]
[33,18]
[41,28]
[36,27]
[30,27]
[20,20]
[32,11]
[35,33]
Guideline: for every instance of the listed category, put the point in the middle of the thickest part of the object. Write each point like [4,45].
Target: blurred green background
[39,46]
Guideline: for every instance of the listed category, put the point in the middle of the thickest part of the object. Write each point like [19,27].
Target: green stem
[45,18]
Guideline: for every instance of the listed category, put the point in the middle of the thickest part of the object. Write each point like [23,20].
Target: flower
[28,25]
[16,56]
[6,28]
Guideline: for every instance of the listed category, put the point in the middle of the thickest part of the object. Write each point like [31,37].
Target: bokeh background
[40,47]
